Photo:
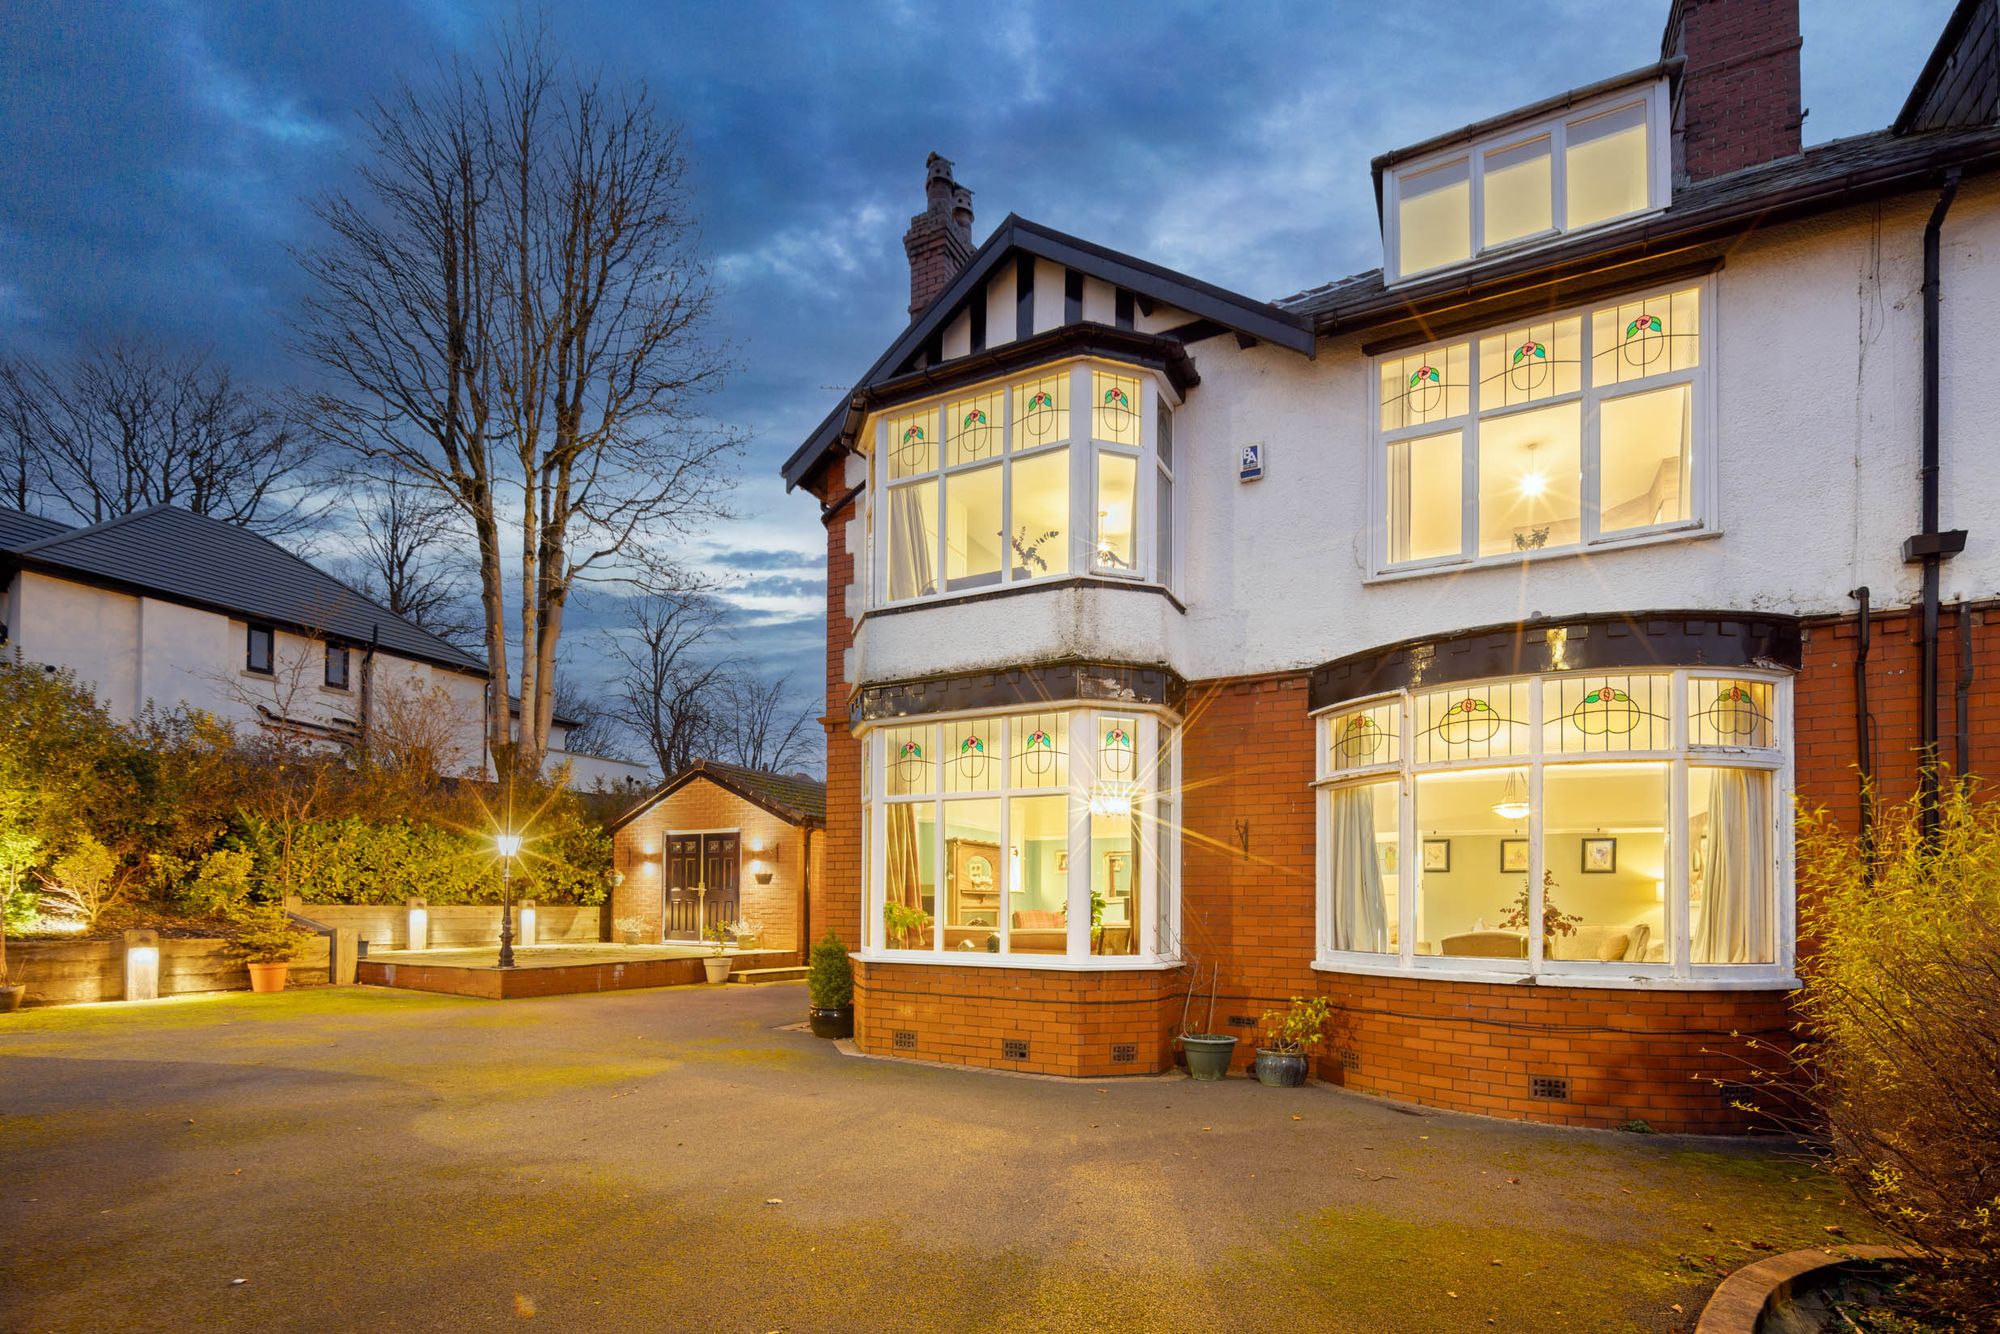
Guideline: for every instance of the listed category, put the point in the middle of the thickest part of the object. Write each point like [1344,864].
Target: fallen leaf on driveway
[774,1200]
[524,1306]
[1297,1117]
[237,1282]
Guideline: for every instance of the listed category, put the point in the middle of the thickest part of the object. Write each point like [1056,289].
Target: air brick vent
[1550,1088]
[1242,1021]
[1124,1053]
[1350,1060]
[1013,1049]
[905,1039]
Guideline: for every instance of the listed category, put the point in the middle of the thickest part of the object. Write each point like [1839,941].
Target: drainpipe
[1864,758]
[1931,547]
[1962,753]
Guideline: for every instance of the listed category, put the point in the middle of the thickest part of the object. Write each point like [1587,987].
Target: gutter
[1931,547]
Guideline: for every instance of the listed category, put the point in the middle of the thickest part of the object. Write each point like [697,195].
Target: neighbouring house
[1450,640]
[718,843]
[167,607]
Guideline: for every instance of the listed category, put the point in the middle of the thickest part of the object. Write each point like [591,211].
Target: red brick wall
[1070,1021]
[701,804]
[1738,101]
[840,906]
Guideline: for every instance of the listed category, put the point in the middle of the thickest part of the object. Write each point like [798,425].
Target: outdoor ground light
[510,847]
[142,965]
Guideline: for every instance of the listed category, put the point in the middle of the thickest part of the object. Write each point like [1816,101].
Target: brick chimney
[939,241]
[1737,103]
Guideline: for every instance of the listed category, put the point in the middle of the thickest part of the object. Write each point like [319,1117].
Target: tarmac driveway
[672,1159]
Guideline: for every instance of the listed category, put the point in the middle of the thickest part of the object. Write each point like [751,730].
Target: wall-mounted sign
[1250,462]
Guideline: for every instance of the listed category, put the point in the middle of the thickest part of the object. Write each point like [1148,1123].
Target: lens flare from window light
[1533,485]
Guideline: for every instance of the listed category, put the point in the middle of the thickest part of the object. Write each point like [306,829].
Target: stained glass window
[1646,337]
[1423,387]
[1530,363]
[1471,722]
[1041,411]
[1364,738]
[911,443]
[975,428]
[1114,408]
[972,755]
[1724,712]
[1040,750]
[1599,715]
[907,759]
[1117,749]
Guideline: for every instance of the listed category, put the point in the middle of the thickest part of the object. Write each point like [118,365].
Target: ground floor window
[1034,837]
[1578,824]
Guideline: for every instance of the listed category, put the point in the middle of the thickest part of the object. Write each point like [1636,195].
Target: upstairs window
[1546,436]
[336,667]
[257,652]
[1067,470]
[1596,164]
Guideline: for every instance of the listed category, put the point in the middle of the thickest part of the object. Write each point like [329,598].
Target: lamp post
[510,844]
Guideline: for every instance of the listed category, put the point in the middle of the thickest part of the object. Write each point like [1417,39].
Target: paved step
[753,976]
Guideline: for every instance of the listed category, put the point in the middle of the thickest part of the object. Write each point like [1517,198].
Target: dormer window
[1598,163]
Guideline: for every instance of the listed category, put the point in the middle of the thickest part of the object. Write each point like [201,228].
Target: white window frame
[1159,921]
[1703,493]
[1084,453]
[1474,154]
[1678,972]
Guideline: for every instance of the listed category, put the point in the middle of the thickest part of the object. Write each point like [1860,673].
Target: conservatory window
[1543,437]
[1589,824]
[996,485]
[1045,835]
[1600,163]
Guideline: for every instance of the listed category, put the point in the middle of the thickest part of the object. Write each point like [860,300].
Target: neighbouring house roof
[1960,83]
[793,798]
[19,529]
[1216,309]
[1831,175]
[171,553]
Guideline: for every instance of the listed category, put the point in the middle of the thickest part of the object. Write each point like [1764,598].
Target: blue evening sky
[159,153]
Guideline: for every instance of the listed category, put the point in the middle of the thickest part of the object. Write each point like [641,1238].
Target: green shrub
[830,975]
[1901,1006]
[1299,1028]
[221,887]
[268,937]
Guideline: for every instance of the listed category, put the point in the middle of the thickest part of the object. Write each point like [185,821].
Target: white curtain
[1359,922]
[910,553]
[1734,924]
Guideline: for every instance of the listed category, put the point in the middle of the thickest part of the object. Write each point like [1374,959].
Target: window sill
[1045,963]
[1123,584]
[1753,978]
[1396,574]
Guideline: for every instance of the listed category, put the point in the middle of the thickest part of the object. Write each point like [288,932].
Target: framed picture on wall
[1386,857]
[1437,854]
[1600,856]
[1514,854]
[1062,861]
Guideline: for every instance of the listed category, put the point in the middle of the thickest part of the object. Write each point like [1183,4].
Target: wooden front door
[702,876]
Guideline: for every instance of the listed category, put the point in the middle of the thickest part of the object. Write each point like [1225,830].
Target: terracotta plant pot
[1208,1054]
[10,997]
[831,1021]
[717,967]
[1280,1069]
[268,977]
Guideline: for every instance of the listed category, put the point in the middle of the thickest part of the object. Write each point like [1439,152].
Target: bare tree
[760,729]
[410,559]
[593,730]
[130,426]
[674,686]
[515,305]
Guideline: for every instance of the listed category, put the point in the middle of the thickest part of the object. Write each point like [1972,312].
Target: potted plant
[1208,1054]
[746,932]
[266,945]
[830,989]
[907,927]
[631,930]
[1288,1036]
[717,964]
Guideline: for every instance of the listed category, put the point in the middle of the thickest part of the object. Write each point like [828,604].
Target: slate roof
[19,529]
[170,553]
[791,797]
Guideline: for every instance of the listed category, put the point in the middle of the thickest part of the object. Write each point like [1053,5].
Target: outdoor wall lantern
[142,965]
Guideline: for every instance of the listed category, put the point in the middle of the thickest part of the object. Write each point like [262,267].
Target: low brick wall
[71,972]
[1091,1025]
[387,926]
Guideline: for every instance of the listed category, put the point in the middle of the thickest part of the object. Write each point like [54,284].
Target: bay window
[1593,165]
[1544,437]
[1044,838]
[1584,825]
[1064,471]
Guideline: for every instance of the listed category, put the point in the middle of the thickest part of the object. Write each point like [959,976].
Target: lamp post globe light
[510,846]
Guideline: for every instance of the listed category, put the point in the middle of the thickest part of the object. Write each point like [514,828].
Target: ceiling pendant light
[1513,803]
